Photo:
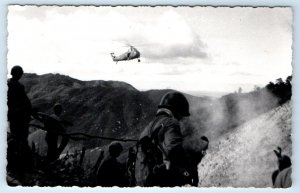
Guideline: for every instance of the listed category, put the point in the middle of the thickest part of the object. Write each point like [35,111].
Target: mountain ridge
[101,108]
[116,109]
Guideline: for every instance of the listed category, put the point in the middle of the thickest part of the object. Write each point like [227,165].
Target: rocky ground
[244,157]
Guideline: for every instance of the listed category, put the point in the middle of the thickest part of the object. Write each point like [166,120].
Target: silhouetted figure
[167,164]
[54,126]
[281,177]
[19,113]
[195,156]
[111,172]
[98,162]
[130,167]
[52,137]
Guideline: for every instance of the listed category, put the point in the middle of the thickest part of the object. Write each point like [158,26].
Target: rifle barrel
[85,135]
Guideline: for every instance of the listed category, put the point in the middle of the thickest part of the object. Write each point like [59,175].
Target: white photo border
[232,3]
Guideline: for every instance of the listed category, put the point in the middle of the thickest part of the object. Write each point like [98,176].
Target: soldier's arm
[68,123]
[39,116]
[172,143]
[172,138]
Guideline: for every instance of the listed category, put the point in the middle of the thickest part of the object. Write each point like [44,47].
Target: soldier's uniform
[165,131]
[283,179]
[111,172]
[54,127]
[19,112]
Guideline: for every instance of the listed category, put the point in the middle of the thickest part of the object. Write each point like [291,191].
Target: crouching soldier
[161,159]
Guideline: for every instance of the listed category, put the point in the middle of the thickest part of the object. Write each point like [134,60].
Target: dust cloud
[215,117]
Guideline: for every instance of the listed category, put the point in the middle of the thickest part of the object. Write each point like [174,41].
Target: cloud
[180,48]
[177,69]
[40,13]
[233,63]
[243,74]
[163,39]
[175,51]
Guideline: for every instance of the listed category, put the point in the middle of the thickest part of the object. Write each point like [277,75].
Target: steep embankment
[244,157]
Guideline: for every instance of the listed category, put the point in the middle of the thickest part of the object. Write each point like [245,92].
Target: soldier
[54,126]
[130,167]
[281,177]
[169,167]
[19,116]
[111,172]
[195,155]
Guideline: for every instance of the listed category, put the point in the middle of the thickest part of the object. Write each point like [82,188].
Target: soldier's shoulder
[170,121]
[10,82]
[14,83]
[283,179]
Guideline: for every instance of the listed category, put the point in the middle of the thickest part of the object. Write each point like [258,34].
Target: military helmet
[115,148]
[16,71]
[57,107]
[176,102]
[284,162]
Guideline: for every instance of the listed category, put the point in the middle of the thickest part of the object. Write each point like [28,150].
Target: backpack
[149,155]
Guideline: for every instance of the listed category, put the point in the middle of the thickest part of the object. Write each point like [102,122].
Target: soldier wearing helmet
[166,133]
[19,112]
[54,125]
[111,172]
[281,177]
[176,103]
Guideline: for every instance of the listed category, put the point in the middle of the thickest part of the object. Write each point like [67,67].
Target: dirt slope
[244,157]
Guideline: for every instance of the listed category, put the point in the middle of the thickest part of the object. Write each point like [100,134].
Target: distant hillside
[244,157]
[117,109]
[101,108]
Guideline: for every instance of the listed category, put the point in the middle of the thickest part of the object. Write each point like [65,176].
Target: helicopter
[131,54]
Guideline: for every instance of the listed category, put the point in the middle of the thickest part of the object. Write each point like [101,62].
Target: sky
[200,49]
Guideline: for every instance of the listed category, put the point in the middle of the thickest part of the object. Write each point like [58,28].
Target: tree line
[240,107]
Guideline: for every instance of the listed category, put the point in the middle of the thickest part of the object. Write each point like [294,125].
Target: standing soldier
[54,126]
[111,172]
[19,112]
[130,167]
[168,168]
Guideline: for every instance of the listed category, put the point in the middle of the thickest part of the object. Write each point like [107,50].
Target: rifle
[84,136]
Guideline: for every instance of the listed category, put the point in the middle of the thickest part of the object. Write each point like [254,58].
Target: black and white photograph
[149,96]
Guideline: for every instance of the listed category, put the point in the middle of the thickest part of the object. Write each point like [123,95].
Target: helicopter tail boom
[113,56]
